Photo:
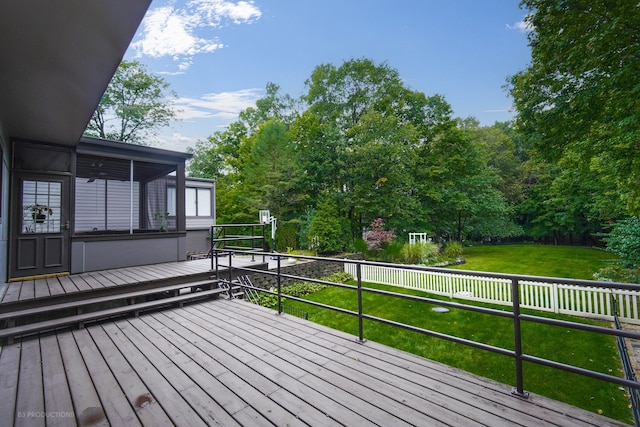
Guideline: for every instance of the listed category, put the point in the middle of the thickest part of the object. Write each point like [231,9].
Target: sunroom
[129,206]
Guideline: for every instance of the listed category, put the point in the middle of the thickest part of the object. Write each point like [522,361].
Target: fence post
[360,322]
[279,287]
[517,335]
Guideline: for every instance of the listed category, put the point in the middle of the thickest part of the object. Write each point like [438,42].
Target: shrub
[392,252]
[624,241]
[360,245]
[453,250]
[419,253]
[378,236]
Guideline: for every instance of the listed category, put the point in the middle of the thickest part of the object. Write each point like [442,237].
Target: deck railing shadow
[517,287]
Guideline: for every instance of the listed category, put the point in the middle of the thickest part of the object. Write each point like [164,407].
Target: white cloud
[224,105]
[523,26]
[183,32]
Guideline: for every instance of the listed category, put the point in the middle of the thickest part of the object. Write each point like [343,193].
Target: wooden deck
[229,363]
[42,292]
[115,279]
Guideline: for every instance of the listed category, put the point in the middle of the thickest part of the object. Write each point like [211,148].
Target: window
[171,201]
[198,201]
[41,205]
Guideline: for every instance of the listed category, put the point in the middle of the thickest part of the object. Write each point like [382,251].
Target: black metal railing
[226,238]
[276,271]
[629,372]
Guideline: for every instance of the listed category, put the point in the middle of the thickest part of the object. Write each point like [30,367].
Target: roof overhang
[57,60]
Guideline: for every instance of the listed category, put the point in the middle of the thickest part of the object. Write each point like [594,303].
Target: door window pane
[41,205]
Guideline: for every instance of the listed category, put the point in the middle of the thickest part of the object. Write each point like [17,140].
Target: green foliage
[618,273]
[624,241]
[360,245]
[138,104]
[328,231]
[578,96]
[287,236]
[452,250]
[270,300]
[419,253]
[303,289]
[391,251]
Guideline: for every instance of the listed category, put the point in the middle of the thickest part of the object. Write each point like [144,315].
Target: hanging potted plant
[39,212]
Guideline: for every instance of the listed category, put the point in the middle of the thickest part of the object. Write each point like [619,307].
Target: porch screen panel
[119,205]
[158,210]
[104,205]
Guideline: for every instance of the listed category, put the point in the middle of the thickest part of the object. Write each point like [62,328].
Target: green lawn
[564,345]
[537,260]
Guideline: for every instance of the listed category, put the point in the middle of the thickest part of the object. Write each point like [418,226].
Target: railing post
[518,390]
[279,287]
[360,321]
[214,254]
[230,261]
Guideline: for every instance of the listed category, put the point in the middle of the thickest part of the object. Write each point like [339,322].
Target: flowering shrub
[378,235]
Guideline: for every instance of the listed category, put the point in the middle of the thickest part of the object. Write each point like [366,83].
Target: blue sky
[219,55]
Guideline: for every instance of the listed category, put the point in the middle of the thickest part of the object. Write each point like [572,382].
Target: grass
[537,260]
[569,346]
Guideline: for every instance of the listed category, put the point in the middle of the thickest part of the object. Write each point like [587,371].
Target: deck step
[15,314]
[79,319]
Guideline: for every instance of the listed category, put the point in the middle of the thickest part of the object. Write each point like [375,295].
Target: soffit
[57,59]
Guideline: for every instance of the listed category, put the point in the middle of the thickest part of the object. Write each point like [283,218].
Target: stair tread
[64,321]
[96,300]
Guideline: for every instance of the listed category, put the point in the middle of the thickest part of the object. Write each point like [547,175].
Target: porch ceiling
[57,59]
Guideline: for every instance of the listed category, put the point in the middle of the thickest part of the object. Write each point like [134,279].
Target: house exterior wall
[99,254]
[4,208]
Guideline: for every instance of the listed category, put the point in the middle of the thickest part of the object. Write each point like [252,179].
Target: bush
[624,241]
[300,290]
[392,252]
[453,250]
[360,245]
[419,253]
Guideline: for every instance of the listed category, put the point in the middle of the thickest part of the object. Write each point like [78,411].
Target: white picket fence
[554,297]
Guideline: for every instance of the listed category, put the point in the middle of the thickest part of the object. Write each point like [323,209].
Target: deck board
[80,283]
[54,285]
[27,290]
[57,397]
[233,363]
[86,402]
[67,284]
[148,410]
[13,293]
[173,403]
[115,403]
[30,398]
[41,288]
[9,369]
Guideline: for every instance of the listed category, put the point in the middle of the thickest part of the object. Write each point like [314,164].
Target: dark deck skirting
[234,363]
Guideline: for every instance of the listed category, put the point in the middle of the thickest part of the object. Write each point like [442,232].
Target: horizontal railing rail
[572,297]
[515,291]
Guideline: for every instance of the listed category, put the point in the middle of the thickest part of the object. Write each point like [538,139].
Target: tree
[134,106]
[328,230]
[272,171]
[624,241]
[579,95]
